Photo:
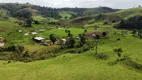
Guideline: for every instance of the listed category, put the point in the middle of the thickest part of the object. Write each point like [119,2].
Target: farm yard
[70,45]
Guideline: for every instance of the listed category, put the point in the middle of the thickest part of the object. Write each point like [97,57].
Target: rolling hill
[115,56]
[113,16]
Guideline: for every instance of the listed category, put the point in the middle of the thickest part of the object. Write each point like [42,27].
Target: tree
[66,17]
[134,32]
[70,42]
[36,22]
[23,13]
[134,22]
[97,36]
[28,22]
[104,34]
[85,31]
[53,38]
[82,39]
[118,51]
[26,15]
[96,43]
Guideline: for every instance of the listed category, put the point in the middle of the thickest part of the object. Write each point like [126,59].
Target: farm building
[2,41]
[2,44]
[63,41]
[34,33]
[38,39]
[48,42]
[26,34]
[93,34]
[19,31]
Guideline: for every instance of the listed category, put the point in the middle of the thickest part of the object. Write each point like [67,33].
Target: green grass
[64,14]
[71,66]
[39,18]
[61,32]
[80,66]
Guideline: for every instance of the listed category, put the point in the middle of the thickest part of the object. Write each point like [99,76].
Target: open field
[81,66]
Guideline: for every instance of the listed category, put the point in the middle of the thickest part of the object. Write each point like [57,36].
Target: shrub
[105,23]
[118,50]
[104,34]
[86,47]
[36,22]
[102,56]
[72,51]
[97,36]
[118,39]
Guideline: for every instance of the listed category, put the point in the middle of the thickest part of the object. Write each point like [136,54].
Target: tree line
[130,23]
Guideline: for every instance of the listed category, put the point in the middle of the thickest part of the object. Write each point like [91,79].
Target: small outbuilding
[38,39]
[26,34]
[48,42]
[2,41]
[93,34]
[34,33]
[2,44]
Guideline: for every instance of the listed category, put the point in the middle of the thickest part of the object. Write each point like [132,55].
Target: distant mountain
[111,17]
[89,11]
[12,8]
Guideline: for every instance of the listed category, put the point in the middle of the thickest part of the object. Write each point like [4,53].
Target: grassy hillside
[109,17]
[99,10]
[80,66]
[118,54]
[65,15]
[89,11]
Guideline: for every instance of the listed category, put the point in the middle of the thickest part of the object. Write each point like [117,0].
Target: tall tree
[53,38]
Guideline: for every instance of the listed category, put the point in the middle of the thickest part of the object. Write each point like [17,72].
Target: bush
[118,50]
[86,47]
[105,23]
[97,36]
[104,34]
[36,22]
[72,51]
[102,56]
[118,39]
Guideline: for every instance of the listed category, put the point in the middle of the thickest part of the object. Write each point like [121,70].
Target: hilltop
[54,12]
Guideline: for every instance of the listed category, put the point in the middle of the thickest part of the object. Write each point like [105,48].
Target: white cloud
[82,3]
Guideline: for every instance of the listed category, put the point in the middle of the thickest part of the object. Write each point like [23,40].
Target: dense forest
[131,23]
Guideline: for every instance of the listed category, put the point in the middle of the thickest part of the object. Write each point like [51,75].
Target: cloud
[82,3]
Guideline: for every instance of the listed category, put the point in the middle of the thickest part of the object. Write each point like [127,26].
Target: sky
[119,4]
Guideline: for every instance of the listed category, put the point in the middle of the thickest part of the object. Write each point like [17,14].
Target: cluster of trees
[47,11]
[25,15]
[131,23]
[4,14]
[53,38]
